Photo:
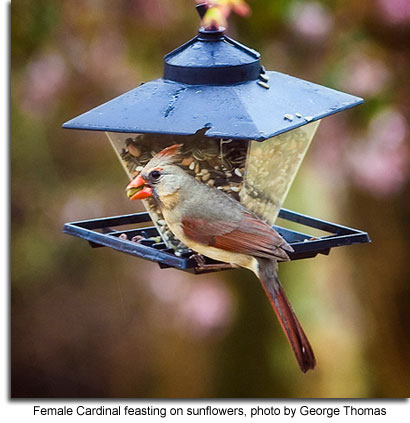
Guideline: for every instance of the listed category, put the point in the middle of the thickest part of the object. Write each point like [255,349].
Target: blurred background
[97,323]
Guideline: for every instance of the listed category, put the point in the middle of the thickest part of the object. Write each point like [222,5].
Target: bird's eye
[155,174]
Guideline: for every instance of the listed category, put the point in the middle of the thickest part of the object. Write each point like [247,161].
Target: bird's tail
[287,318]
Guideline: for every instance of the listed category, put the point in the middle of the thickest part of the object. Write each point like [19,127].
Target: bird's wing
[250,236]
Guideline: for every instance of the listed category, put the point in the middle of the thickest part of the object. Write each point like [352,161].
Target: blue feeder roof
[217,83]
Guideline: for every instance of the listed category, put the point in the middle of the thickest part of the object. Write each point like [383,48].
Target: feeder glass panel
[271,168]
[219,163]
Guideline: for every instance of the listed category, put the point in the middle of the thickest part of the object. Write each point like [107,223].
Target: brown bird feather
[248,236]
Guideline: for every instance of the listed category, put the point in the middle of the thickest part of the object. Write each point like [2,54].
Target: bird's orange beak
[137,189]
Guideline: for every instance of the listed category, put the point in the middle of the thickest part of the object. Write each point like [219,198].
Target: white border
[17,410]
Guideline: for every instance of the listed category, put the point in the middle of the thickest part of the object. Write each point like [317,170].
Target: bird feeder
[243,130]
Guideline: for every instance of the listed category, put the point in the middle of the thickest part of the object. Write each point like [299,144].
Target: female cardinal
[213,224]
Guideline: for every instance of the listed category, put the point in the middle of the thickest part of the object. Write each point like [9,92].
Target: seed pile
[218,163]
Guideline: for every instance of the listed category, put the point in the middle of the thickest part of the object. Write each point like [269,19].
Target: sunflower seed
[131,167]
[198,155]
[145,158]
[187,161]
[134,150]
[226,165]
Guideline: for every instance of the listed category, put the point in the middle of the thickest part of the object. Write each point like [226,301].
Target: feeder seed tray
[151,247]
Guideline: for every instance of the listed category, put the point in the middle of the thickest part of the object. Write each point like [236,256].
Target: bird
[214,225]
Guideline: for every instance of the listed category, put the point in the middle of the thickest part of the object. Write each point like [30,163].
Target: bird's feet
[202,266]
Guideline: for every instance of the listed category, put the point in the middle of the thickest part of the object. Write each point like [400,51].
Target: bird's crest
[167,156]
[171,152]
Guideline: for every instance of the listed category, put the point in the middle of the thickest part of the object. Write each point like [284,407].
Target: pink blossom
[195,305]
[311,20]
[395,11]
[106,60]
[380,163]
[171,291]
[207,308]
[45,77]
[365,76]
